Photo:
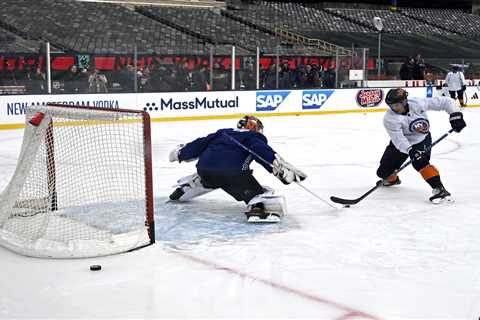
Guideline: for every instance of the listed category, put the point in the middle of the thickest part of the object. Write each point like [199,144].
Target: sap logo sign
[270,100]
[315,99]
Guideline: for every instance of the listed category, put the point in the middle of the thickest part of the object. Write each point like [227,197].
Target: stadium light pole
[378,23]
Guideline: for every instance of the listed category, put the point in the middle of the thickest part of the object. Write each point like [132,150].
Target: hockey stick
[379,183]
[271,165]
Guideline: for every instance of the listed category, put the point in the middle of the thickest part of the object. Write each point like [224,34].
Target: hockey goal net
[82,186]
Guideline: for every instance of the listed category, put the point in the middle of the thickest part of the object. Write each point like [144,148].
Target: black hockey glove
[416,155]
[464,87]
[457,122]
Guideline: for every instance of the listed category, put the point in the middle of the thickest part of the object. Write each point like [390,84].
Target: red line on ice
[350,313]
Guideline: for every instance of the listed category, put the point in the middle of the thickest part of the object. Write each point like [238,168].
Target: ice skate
[440,195]
[176,194]
[256,214]
[391,181]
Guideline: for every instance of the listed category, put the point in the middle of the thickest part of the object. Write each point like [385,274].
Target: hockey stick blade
[355,201]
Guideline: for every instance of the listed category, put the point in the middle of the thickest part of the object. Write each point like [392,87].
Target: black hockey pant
[243,187]
[393,159]
[455,94]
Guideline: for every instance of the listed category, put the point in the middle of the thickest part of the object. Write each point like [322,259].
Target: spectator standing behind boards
[312,77]
[429,78]
[285,76]
[173,82]
[144,78]
[183,74]
[270,77]
[74,81]
[406,70]
[300,77]
[199,78]
[456,83]
[419,68]
[159,72]
[329,76]
[97,82]
[220,78]
[36,81]
[127,78]
[248,77]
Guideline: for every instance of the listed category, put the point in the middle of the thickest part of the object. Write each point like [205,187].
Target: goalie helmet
[395,96]
[250,123]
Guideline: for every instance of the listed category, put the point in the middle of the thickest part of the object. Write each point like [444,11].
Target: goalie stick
[379,183]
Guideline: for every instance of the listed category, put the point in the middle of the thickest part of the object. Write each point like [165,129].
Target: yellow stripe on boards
[12,126]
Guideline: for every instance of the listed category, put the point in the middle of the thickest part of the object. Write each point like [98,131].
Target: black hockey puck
[95,267]
[346,206]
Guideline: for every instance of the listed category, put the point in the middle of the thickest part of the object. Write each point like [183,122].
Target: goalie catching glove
[174,154]
[286,172]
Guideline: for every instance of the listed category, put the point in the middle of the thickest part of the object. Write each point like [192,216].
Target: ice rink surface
[392,256]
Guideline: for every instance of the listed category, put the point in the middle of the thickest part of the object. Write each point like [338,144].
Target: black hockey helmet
[251,123]
[395,95]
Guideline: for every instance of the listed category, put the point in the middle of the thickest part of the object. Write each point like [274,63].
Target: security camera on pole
[377,22]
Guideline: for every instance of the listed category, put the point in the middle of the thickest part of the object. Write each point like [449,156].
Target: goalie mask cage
[82,186]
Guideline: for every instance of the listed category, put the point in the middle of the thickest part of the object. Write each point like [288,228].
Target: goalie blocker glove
[457,122]
[286,172]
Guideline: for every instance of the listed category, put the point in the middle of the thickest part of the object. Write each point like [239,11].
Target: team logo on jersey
[369,98]
[314,99]
[420,125]
[270,100]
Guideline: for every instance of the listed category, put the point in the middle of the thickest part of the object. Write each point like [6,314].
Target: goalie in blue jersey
[224,159]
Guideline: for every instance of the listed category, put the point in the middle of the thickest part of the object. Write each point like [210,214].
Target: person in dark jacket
[75,81]
[312,77]
[224,159]
[406,70]
[419,68]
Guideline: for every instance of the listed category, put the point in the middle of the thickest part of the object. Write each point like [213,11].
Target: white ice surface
[394,255]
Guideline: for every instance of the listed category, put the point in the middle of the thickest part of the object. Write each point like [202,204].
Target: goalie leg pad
[266,207]
[192,180]
[189,187]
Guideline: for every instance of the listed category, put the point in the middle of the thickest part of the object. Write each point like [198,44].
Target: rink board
[224,104]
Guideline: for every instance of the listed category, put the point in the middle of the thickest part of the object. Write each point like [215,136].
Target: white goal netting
[82,186]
